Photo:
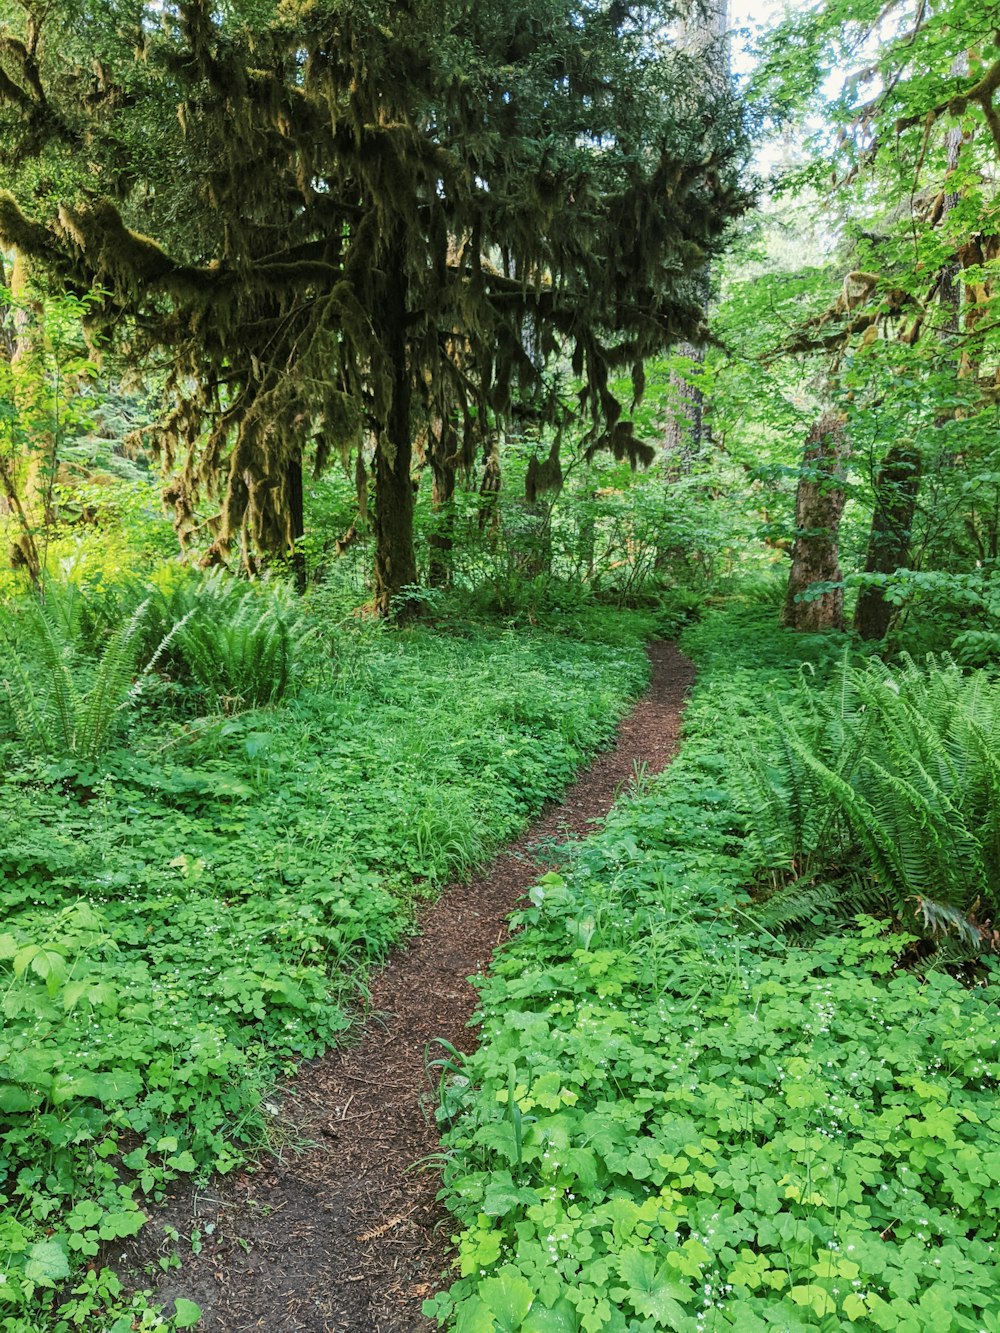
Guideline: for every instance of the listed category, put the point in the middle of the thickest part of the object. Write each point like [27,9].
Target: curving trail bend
[343,1238]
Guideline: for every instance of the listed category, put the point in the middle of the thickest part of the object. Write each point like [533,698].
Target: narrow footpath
[344,1237]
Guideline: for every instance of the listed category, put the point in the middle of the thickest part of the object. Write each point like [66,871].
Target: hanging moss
[362,220]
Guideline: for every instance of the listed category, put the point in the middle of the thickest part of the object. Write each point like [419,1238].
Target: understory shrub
[240,643]
[880,793]
[61,703]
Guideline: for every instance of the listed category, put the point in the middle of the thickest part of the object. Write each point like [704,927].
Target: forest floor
[340,1232]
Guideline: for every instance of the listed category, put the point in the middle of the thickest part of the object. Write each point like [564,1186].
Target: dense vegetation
[374,379]
[195,887]
[681,1118]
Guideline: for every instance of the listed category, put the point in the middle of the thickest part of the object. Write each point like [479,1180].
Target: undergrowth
[679,1120]
[190,911]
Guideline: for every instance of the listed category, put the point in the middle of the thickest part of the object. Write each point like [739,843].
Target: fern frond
[111,688]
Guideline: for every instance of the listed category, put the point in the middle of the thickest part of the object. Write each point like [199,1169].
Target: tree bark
[28,476]
[8,336]
[889,541]
[819,505]
[684,433]
[442,539]
[702,33]
[395,557]
[297,520]
[489,488]
[898,485]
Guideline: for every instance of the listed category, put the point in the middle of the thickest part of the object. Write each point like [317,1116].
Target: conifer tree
[342,220]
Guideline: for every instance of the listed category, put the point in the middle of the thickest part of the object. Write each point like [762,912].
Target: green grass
[677,1121]
[198,910]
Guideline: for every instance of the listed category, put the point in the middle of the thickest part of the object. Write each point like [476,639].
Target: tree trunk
[889,541]
[442,538]
[29,471]
[898,484]
[684,433]
[489,488]
[395,557]
[8,336]
[819,505]
[702,33]
[297,520]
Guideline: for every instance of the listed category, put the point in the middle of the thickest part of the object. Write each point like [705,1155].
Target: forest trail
[343,1237]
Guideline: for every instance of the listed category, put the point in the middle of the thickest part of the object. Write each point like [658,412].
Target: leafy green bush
[238,642]
[880,793]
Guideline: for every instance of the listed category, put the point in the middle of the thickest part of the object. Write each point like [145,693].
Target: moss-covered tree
[307,204]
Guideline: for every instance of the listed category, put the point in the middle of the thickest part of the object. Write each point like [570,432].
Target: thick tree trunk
[701,33]
[819,505]
[395,557]
[442,538]
[684,433]
[29,471]
[896,494]
[898,485]
[295,491]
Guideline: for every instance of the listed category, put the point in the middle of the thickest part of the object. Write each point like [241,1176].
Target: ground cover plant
[193,906]
[679,1120]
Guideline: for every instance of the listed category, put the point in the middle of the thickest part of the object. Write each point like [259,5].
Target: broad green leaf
[816,1298]
[120,1086]
[653,1291]
[186,1313]
[854,1307]
[13,1098]
[562,1318]
[508,1298]
[474,1317]
[47,1263]
[114,1226]
[499,1200]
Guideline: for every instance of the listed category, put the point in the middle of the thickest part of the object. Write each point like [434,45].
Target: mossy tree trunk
[819,505]
[295,490]
[29,470]
[896,493]
[442,538]
[395,556]
[684,432]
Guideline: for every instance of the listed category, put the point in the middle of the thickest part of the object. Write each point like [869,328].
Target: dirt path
[343,1238]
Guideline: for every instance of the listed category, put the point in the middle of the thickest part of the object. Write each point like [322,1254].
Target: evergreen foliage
[239,644]
[362,216]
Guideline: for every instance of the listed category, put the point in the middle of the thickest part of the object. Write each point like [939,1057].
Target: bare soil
[345,1235]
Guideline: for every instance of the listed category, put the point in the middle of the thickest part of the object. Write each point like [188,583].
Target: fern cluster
[880,793]
[238,642]
[77,661]
[60,703]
